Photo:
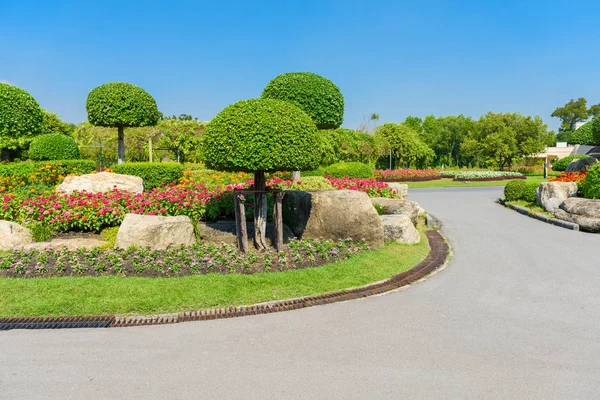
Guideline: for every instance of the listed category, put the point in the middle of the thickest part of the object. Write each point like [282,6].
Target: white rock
[400,229]
[13,235]
[100,183]
[401,188]
[155,231]
[550,195]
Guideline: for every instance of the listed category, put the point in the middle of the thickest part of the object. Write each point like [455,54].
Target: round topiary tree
[53,146]
[259,136]
[21,117]
[318,97]
[120,105]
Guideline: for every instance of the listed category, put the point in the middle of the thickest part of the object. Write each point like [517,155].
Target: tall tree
[407,147]
[572,112]
[445,136]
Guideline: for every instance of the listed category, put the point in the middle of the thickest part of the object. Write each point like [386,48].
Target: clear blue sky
[395,58]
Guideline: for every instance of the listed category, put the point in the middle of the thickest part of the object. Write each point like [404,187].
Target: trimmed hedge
[53,147]
[261,135]
[121,104]
[530,191]
[315,172]
[153,174]
[312,183]
[317,96]
[20,115]
[514,190]
[563,163]
[591,185]
[350,170]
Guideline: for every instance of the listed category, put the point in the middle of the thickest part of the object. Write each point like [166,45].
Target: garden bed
[497,178]
[423,179]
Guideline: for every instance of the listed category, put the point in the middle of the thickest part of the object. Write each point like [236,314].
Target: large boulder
[100,183]
[581,164]
[585,212]
[400,188]
[13,235]
[155,231]
[550,195]
[338,214]
[399,229]
[72,244]
[398,207]
[225,232]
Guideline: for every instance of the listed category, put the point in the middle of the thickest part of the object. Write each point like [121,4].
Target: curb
[437,257]
[540,217]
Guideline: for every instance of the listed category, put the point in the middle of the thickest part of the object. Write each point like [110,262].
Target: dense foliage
[406,145]
[153,174]
[349,145]
[53,124]
[591,185]
[407,175]
[514,190]
[573,112]
[261,135]
[121,104]
[318,97]
[563,163]
[21,118]
[349,169]
[371,187]
[307,183]
[53,146]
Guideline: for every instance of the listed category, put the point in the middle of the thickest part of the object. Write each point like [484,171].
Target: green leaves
[20,117]
[53,147]
[121,104]
[406,145]
[349,169]
[153,174]
[261,135]
[318,97]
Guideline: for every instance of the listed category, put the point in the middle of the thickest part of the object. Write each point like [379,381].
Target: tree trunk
[260,211]
[296,176]
[278,221]
[121,150]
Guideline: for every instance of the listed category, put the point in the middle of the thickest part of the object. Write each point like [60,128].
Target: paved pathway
[516,315]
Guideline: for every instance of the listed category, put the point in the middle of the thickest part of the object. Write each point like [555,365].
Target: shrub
[529,193]
[109,235]
[153,174]
[317,96]
[315,172]
[41,231]
[312,183]
[44,173]
[20,116]
[561,165]
[53,147]
[514,190]
[371,186]
[350,169]
[591,185]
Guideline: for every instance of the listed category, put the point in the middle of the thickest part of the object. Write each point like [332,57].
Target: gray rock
[550,195]
[13,235]
[334,215]
[224,232]
[398,207]
[155,231]
[100,183]
[67,243]
[581,164]
[585,212]
[399,229]
[401,188]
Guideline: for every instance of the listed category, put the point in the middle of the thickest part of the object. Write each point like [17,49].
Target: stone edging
[540,217]
[438,254]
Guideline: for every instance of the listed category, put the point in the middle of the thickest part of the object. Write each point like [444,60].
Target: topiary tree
[54,146]
[120,105]
[318,97]
[259,136]
[21,118]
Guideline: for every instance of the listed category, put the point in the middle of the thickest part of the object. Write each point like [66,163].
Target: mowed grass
[451,183]
[125,296]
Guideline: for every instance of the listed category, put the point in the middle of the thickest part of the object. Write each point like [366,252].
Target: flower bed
[200,258]
[407,175]
[465,176]
[570,177]
[370,186]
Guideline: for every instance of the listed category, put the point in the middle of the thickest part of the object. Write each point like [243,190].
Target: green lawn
[450,183]
[122,296]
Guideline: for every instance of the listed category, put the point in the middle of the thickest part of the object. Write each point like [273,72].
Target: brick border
[438,254]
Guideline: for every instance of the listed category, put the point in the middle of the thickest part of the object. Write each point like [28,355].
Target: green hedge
[315,172]
[561,165]
[530,192]
[520,190]
[349,169]
[46,172]
[53,147]
[591,186]
[153,174]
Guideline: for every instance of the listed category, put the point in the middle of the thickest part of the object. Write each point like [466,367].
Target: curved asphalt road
[516,315]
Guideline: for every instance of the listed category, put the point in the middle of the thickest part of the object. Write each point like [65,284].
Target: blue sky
[395,58]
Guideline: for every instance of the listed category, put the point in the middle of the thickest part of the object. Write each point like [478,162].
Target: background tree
[344,144]
[445,135]
[407,147]
[54,125]
[21,119]
[259,136]
[120,105]
[365,125]
[571,113]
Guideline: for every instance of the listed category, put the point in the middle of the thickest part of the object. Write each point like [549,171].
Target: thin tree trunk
[278,221]
[240,221]
[260,211]
[121,150]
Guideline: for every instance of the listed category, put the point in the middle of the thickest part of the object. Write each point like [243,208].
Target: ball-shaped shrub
[591,185]
[20,114]
[319,97]
[350,170]
[261,135]
[119,104]
[53,146]
[563,163]
[530,191]
[514,190]
[154,174]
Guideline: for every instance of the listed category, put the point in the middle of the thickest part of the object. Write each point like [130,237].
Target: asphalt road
[516,315]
